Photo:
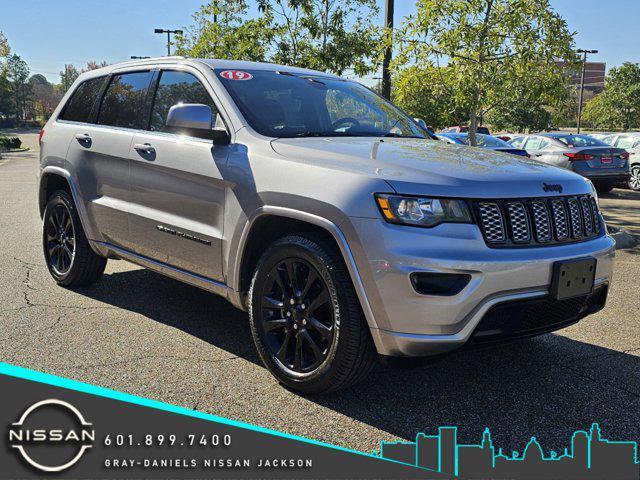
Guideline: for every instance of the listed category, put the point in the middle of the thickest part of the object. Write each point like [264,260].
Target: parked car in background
[483,141]
[603,136]
[465,129]
[631,143]
[604,165]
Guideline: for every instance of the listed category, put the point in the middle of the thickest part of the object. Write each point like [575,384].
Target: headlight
[421,211]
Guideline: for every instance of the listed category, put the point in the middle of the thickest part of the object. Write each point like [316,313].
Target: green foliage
[618,106]
[324,35]
[67,77]
[429,93]
[4,46]
[9,143]
[221,30]
[492,46]
[17,72]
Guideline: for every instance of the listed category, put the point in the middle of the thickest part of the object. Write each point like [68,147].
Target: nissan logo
[60,427]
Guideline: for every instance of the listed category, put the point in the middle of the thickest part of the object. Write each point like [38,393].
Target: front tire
[306,319]
[70,259]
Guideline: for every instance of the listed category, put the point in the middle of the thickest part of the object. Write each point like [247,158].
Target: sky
[50,33]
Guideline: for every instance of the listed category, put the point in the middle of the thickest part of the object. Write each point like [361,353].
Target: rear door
[177,188]
[100,151]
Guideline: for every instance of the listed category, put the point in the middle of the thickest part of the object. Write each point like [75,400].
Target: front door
[177,188]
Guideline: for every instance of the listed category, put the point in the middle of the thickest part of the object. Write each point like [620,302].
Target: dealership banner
[59,428]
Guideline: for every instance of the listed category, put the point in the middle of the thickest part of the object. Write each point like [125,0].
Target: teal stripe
[40,377]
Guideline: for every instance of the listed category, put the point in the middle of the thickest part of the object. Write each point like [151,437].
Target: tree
[18,74]
[326,35]
[67,77]
[428,93]
[44,98]
[221,30]
[4,46]
[618,106]
[490,43]
[93,65]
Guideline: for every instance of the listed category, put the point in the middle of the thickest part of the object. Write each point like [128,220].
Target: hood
[431,167]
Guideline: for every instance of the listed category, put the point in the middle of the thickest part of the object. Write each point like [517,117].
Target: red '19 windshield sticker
[236,75]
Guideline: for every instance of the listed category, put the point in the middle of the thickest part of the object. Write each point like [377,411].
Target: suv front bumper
[407,323]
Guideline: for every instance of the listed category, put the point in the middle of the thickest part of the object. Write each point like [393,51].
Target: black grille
[532,317]
[538,221]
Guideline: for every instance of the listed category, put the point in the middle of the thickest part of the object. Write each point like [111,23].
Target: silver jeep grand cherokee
[320,208]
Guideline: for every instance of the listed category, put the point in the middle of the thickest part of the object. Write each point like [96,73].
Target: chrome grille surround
[560,219]
[492,222]
[574,215]
[538,221]
[541,223]
[596,215]
[519,221]
[587,216]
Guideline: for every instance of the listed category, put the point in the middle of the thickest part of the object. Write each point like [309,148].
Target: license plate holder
[573,278]
[606,160]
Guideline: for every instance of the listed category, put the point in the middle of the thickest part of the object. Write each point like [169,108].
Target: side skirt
[191,278]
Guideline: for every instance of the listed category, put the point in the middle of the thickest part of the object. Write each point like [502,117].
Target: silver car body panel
[189,211]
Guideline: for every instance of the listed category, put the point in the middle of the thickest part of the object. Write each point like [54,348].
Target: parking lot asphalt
[138,332]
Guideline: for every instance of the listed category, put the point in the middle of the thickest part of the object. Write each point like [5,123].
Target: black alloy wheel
[305,316]
[60,239]
[68,255]
[298,318]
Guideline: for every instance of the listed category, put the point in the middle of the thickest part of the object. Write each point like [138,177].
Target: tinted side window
[78,108]
[123,104]
[174,88]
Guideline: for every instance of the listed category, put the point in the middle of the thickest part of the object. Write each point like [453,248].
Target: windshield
[573,141]
[285,105]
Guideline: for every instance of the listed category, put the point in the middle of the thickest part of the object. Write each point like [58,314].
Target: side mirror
[195,119]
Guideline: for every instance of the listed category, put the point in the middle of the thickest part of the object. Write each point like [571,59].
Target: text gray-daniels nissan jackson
[320,208]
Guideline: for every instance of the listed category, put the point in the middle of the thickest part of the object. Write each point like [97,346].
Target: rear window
[573,141]
[123,104]
[79,106]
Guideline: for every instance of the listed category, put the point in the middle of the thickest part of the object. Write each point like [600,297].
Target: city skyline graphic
[588,456]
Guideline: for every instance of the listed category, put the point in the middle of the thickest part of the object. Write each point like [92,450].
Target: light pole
[168,32]
[584,63]
[386,72]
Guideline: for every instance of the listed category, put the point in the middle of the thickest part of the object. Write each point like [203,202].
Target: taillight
[625,156]
[578,156]
[41,135]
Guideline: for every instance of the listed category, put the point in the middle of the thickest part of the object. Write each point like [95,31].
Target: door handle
[84,139]
[144,148]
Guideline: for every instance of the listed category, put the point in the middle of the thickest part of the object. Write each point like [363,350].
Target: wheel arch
[54,178]
[256,238]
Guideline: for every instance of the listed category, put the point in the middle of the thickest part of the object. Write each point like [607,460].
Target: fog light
[443,284]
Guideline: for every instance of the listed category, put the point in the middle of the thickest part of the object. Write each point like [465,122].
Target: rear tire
[634,181]
[69,257]
[306,319]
